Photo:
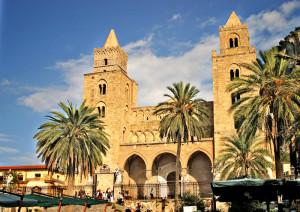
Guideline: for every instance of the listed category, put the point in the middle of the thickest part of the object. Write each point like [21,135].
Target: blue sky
[46,47]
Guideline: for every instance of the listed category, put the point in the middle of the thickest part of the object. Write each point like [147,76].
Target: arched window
[231,75]
[103,111]
[232,99]
[105,61]
[104,89]
[237,73]
[231,42]
[100,89]
[236,42]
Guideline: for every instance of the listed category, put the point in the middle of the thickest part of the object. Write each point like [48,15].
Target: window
[38,175]
[105,61]
[103,112]
[104,89]
[20,177]
[1,179]
[237,73]
[236,42]
[100,89]
[231,43]
[101,109]
[231,75]
[235,98]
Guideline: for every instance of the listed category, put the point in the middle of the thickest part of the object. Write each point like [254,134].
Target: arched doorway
[134,176]
[163,173]
[200,173]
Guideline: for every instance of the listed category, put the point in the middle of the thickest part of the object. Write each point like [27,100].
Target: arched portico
[199,172]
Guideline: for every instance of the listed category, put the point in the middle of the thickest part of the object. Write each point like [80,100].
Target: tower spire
[112,40]
[233,20]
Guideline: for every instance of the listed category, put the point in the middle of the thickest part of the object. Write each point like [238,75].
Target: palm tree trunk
[278,165]
[178,171]
[70,191]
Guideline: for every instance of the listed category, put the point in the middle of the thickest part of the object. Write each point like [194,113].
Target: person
[151,193]
[75,194]
[120,198]
[100,195]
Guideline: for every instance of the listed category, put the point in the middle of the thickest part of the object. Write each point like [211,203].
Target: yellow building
[138,160]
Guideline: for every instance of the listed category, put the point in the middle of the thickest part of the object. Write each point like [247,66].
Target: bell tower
[234,49]
[113,93]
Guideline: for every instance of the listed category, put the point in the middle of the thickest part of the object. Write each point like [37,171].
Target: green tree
[183,119]
[269,99]
[74,142]
[243,156]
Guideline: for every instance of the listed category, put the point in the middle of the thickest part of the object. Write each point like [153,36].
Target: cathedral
[139,161]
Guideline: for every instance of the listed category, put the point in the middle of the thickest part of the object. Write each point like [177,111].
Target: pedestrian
[151,193]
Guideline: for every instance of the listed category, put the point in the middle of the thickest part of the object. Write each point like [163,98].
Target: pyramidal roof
[112,40]
[233,20]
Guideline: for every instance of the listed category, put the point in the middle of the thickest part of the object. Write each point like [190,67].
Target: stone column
[148,175]
[183,179]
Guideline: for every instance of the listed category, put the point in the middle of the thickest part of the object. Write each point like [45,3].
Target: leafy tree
[74,142]
[183,118]
[243,156]
[270,97]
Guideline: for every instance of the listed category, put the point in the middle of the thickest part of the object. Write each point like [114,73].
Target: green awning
[8,201]
[247,189]
[50,201]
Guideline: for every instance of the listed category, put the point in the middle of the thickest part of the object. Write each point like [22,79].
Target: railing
[165,190]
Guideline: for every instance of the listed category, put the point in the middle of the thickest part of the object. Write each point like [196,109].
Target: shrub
[251,206]
[188,199]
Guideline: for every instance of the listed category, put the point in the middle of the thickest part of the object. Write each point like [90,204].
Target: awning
[8,201]
[248,189]
[51,201]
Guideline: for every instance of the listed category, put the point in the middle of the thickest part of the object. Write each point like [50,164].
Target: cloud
[267,28]
[8,150]
[4,82]
[42,99]
[154,73]
[210,21]
[288,7]
[176,17]
[4,138]
[28,159]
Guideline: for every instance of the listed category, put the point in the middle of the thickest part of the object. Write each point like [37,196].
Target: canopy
[51,201]
[8,201]
[248,189]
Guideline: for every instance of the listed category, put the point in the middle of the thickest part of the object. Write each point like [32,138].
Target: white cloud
[4,138]
[28,159]
[8,150]
[267,28]
[5,82]
[44,98]
[288,7]
[154,74]
[210,21]
[176,16]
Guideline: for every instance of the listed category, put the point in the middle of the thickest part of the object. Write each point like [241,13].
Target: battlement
[110,50]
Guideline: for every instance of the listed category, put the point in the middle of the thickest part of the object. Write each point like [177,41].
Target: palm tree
[243,156]
[270,98]
[183,119]
[73,143]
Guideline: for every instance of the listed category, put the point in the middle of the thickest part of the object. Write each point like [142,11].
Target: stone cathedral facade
[138,157]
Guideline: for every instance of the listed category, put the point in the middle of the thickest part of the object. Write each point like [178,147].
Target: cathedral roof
[112,40]
[233,20]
